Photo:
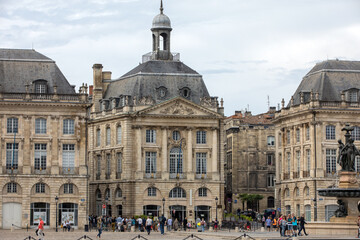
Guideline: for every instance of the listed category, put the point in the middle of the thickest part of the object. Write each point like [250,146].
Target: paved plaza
[50,234]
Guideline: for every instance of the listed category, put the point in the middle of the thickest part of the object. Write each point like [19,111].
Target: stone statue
[341,211]
[347,152]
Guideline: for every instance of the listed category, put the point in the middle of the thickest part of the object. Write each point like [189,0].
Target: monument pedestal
[348,180]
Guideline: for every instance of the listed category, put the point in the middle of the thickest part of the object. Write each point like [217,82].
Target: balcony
[68,170]
[331,174]
[156,175]
[306,174]
[40,171]
[296,175]
[286,176]
[201,176]
[177,175]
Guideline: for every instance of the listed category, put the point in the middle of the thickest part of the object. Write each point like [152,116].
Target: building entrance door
[11,215]
[202,212]
[178,211]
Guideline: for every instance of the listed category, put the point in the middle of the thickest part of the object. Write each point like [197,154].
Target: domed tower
[161,29]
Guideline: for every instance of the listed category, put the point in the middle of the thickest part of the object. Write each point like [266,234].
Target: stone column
[190,172]
[214,157]
[164,155]
[27,143]
[138,141]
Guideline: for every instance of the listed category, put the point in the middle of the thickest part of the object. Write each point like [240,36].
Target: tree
[251,200]
[244,197]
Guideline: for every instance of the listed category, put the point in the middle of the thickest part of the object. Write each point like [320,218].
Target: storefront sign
[68,216]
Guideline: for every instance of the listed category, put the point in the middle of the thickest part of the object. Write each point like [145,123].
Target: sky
[251,53]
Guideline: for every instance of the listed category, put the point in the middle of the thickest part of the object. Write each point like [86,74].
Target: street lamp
[163,200]
[56,201]
[216,202]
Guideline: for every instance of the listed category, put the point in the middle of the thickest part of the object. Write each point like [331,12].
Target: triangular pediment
[179,107]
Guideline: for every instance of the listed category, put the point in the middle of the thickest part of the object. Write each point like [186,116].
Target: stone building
[42,144]
[155,138]
[250,159]
[307,131]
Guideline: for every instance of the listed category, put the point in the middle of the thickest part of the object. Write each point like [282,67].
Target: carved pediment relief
[178,108]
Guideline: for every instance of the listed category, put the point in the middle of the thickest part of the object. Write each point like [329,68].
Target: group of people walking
[288,226]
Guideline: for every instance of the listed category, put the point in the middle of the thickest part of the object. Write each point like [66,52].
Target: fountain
[348,190]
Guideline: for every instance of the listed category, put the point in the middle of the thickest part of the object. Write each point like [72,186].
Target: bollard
[12,228]
[262,229]
[132,228]
[211,229]
[236,229]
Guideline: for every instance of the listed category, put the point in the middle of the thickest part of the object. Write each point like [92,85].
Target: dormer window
[161,92]
[185,92]
[40,86]
[353,95]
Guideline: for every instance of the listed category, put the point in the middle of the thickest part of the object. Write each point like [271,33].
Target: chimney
[91,87]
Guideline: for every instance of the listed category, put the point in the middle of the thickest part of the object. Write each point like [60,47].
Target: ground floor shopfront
[186,200]
[55,200]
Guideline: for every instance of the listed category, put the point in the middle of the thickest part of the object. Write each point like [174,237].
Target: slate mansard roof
[146,79]
[19,67]
[329,78]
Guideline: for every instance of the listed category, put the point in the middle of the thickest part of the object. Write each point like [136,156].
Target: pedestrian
[290,231]
[140,221]
[185,224]
[169,224]
[40,228]
[203,224]
[268,223]
[149,223]
[295,226]
[216,224]
[99,227]
[283,225]
[274,224]
[162,224]
[302,225]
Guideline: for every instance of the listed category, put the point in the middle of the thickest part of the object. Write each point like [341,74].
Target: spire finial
[161,7]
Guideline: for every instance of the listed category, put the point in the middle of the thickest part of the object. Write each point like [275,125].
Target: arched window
[287,193]
[177,193]
[306,191]
[107,194]
[270,202]
[176,162]
[68,188]
[12,187]
[98,194]
[118,193]
[296,192]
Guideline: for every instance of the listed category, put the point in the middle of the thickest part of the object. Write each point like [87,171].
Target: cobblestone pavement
[50,234]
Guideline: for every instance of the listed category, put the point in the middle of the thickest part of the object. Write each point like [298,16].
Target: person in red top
[41,229]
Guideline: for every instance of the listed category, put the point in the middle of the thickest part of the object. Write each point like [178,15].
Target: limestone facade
[155,139]
[48,130]
[307,131]
[250,160]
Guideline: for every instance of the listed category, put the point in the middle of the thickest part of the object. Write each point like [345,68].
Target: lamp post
[56,201]
[106,205]
[123,206]
[216,202]
[163,201]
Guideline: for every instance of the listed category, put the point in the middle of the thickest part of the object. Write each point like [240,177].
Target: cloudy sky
[247,51]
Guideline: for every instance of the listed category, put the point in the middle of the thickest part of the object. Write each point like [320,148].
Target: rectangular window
[280,163]
[308,159]
[119,162]
[68,126]
[12,125]
[40,156]
[202,192]
[298,157]
[150,162]
[119,135]
[229,143]
[270,180]
[297,135]
[40,188]
[353,96]
[307,133]
[40,88]
[151,136]
[357,163]
[98,137]
[355,134]
[12,155]
[308,213]
[288,162]
[11,187]
[287,209]
[330,160]
[330,132]
[280,140]
[98,165]
[270,159]
[201,137]
[297,209]
[108,164]
[200,163]
[271,141]
[40,126]
[68,188]
[108,136]
[68,158]
[152,192]
[288,137]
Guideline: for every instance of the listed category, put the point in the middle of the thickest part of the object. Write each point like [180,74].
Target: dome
[161,21]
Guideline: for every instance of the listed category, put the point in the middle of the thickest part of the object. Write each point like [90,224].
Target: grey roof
[146,79]
[19,67]
[174,67]
[330,78]
[161,21]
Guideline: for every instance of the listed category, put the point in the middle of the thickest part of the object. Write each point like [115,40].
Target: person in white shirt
[148,225]
[169,224]
[140,221]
